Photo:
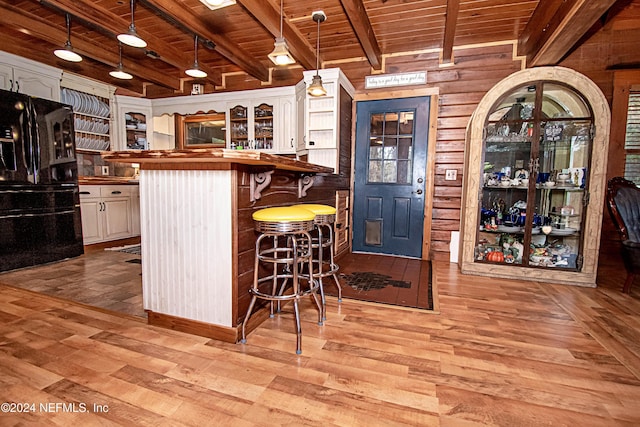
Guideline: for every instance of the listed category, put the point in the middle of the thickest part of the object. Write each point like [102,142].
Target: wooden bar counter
[197,232]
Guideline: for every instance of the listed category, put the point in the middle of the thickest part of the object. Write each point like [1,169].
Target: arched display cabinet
[535,176]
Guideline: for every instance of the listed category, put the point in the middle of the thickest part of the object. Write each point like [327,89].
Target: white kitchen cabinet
[33,78]
[133,123]
[264,122]
[109,212]
[323,114]
[256,118]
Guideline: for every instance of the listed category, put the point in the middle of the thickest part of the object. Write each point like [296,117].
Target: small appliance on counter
[39,200]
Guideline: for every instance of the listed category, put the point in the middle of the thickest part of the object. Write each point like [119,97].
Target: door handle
[417,192]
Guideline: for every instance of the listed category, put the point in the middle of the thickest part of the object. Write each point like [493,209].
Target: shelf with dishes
[91,120]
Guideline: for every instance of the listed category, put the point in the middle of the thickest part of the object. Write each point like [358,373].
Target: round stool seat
[324,213]
[283,219]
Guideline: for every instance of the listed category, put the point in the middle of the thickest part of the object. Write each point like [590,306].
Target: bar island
[197,233]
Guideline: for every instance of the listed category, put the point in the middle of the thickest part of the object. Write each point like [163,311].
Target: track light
[67,53]
[131,37]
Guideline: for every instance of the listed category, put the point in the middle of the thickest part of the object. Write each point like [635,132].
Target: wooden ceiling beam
[18,19]
[224,46]
[357,15]
[265,13]
[556,26]
[453,7]
[113,24]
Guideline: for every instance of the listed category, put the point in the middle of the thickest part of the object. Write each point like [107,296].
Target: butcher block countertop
[198,157]
[107,180]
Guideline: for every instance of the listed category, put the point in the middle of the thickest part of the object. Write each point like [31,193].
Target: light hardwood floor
[500,352]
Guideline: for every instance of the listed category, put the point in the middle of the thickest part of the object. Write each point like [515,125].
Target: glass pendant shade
[195,71]
[67,53]
[131,37]
[316,88]
[280,54]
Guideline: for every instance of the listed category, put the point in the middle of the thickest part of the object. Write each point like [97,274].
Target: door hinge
[579,261]
[585,198]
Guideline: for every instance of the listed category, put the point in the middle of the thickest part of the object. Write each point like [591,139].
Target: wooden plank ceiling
[237,39]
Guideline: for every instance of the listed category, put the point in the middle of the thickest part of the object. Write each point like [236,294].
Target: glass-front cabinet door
[534,180]
[251,126]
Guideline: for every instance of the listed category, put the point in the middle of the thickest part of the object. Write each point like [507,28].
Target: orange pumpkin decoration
[495,256]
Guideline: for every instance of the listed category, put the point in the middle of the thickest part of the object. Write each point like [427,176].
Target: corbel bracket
[305,182]
[259,181]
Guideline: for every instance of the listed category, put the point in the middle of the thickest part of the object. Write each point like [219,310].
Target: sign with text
[401,79]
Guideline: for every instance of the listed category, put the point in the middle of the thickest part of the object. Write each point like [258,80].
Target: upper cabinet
[91,102]
[536,164]
[22,75]
[251,124]
[260,119]
[134,123]
[323,116]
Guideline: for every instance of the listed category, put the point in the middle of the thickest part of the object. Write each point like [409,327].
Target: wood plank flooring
[500,352]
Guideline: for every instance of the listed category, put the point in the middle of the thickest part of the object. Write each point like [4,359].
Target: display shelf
[534,153]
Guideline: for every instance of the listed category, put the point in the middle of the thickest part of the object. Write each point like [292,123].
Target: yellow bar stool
[282,249]
[323,224]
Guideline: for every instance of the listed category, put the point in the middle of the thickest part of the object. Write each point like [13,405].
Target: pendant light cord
[318,50]
[132,7]
[281,15]
[68,21]
[120,50]
[195,48]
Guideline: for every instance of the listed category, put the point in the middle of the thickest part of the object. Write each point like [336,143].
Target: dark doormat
[381,288]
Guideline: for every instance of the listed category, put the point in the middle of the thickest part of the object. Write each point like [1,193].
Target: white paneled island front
[195,209]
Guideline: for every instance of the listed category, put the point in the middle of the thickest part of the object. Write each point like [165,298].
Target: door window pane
[390,147]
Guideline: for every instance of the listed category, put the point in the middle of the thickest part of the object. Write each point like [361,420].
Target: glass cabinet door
[136,130]
[239,133]
[263,126]
[536,154]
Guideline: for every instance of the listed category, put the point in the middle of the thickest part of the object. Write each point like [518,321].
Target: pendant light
[316,88]
[131,37]
[67,53]
[119,72]
[195,71]
[281,54]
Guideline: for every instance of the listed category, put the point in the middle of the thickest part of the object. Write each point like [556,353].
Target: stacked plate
[84,103]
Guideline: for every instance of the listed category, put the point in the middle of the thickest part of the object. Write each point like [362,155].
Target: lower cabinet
[109,212]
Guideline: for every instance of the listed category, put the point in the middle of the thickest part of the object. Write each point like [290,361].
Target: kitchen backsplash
[91,165]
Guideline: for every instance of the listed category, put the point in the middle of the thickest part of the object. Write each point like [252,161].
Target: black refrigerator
[39,200]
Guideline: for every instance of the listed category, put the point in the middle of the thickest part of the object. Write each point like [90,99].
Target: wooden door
[390,175]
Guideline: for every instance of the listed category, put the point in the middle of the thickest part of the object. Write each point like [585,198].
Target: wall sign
[400,79]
